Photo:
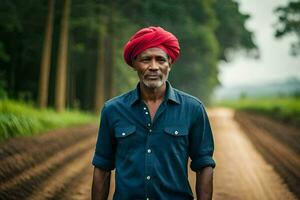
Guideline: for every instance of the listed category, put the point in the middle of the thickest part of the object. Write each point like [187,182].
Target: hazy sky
[275,62]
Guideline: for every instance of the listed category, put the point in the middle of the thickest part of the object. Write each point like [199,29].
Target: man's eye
[161,60]
[145,60]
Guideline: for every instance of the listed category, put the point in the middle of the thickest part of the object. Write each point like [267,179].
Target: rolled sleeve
[104,156]
[102,163]
[201,141]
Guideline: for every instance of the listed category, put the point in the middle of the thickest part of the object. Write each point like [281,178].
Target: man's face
[152,66]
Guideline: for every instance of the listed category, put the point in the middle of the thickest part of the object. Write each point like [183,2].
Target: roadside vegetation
[285,109]
[22,119]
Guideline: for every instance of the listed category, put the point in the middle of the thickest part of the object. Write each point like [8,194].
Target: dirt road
[242,172]
[57,165]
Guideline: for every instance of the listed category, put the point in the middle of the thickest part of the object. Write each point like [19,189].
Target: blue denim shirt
[150,157]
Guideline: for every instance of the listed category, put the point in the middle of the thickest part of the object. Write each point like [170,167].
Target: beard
[154,80]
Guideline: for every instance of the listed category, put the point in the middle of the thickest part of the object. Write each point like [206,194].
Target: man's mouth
[152,76]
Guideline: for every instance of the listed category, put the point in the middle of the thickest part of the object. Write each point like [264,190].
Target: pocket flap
[124,131]
[176,130]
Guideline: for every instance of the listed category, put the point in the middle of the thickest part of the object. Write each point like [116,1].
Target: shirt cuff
[206,161]
[103,163]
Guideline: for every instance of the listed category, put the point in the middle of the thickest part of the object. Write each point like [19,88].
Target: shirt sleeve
[104,156]
[201,141]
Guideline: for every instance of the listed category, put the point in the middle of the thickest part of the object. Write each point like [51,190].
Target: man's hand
[204,183]
[101,183]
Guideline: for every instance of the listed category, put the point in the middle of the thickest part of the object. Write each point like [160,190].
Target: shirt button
[147,199]
[150,130]
[145,108]
[123,134]
[146,113]
[148,177]
[149,150]
[176,132]
[149,124]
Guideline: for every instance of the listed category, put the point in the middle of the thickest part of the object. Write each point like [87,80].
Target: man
[149,133]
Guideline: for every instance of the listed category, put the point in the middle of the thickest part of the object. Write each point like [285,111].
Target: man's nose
[154,65]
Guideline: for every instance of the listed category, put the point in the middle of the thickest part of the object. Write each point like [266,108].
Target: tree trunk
[100,72]
[61,73]
[46,56]
[110,63]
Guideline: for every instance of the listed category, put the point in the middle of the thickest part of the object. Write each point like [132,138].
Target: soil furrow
[39,151]
[62,138]
[285,161]
[79,187]
[288,135]
[59,181]
[31,178]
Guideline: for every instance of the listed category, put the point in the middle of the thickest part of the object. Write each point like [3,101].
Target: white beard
[153,83]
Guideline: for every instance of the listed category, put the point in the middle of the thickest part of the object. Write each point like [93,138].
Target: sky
[275,63]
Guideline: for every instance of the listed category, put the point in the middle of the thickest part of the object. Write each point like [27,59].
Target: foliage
[289,23]
[286,109]
[206,29]
[20,119]
[231,32]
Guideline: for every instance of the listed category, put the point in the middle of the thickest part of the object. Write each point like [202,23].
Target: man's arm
[204,183]
[101,183]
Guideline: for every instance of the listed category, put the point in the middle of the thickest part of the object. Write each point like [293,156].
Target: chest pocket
[176,131]
[126,140]
[124,132]
[176,141]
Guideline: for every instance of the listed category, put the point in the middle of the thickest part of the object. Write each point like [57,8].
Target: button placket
[148,150]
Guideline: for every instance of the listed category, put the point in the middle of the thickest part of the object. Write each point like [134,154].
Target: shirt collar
[170,94]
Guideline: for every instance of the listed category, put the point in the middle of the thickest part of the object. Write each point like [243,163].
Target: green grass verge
[20,119]
[284,109]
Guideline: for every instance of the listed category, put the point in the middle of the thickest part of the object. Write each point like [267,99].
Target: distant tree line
[68,53]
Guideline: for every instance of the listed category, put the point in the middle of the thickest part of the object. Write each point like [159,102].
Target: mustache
[152,74]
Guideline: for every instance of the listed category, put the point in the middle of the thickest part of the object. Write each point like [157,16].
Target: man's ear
[170,62]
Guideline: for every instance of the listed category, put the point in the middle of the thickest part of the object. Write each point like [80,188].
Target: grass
[286,109]
[22,119]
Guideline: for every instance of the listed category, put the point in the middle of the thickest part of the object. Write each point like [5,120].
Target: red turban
[149,38]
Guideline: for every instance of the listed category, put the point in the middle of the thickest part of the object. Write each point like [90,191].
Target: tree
[110,46]
[100,71]
[61,73]
[231,32]
[289,23]
[46,56]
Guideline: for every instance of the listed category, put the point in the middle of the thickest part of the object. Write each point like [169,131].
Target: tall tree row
[81,51]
